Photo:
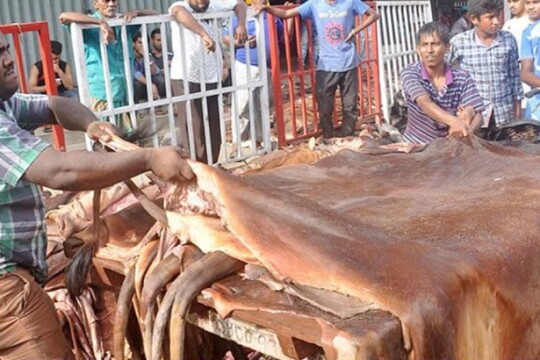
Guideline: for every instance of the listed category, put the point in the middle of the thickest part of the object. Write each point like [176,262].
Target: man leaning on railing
[106,10]
[198,41]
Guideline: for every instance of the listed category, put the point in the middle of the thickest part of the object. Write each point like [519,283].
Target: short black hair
[434,28]
[136,37]
[478,8]
[155,32]
[56,47]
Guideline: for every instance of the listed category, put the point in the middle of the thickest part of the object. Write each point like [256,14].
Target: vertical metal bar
[149,84]
[185,84]
[394,82]
[204,102]
[168,90]
[276,79]
[375,77]
[410,33]
[381,46]
[106,70]
[50,81]
[263,76]
[235,111]
[359,70]
[19,61]
[129,75]
[221,112]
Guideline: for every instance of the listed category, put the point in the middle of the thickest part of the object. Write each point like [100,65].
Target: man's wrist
[452,121]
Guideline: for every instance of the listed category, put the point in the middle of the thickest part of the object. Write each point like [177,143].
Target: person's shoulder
[95,14]
[178,3]
[534,29]
[307,3]
[220,5]
[462,37]
[459,74]
[359,3]
[457,71]
[414,66]
[506,35]
[19,100]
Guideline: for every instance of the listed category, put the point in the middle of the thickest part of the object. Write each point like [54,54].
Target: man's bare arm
[373,16]
[186,19]
[75,170]
[68,18]
[280,13]
[456,126]
[527,73]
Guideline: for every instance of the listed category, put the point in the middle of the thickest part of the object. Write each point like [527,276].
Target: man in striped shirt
[29,325]
[442,100]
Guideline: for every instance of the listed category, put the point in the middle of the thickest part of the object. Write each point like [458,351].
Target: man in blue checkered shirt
[29,326]
[491,56]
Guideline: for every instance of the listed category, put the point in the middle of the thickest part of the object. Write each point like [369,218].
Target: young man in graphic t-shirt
[338,57]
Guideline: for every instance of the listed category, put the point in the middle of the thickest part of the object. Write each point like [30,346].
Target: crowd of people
[336,59]
[460,85]
[474,81]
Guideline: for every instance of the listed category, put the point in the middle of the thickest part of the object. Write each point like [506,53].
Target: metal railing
[41,30]
[294,82]
[165,127]
[398,25]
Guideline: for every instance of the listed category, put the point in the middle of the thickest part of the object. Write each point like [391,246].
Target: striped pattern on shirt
[22,225]
[458,90]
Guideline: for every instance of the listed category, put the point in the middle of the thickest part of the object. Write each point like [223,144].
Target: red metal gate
[296,109]
[42,31]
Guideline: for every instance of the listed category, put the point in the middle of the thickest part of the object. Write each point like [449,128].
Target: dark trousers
[159,81]
[139,89]
[199,135]
[327,84]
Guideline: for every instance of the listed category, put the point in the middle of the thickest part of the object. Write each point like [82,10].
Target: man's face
[9,81]
[488,24]
[199,5]
[106,8]
[138,46]
[516,7]
[431,50]
[533,9]
[156,42]
[55,58]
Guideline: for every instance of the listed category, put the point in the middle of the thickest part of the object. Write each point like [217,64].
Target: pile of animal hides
[395,252]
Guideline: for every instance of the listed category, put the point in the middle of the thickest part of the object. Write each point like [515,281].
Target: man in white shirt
[203,67]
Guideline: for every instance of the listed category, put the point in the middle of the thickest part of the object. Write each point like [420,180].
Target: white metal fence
[165,127]
[397,28]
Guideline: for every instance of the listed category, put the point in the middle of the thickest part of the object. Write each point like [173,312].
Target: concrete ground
[74,139]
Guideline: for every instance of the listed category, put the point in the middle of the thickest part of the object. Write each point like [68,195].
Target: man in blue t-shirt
[338,58]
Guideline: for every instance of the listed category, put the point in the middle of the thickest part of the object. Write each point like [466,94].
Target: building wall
[23,11]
